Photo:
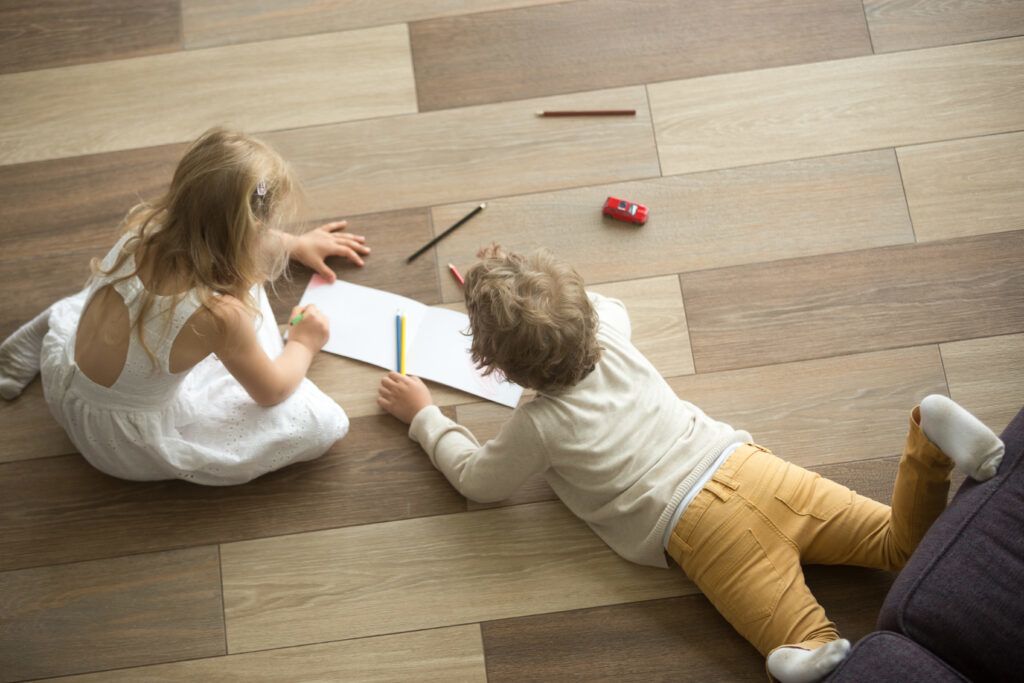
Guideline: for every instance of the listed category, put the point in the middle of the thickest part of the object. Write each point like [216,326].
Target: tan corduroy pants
[743,538]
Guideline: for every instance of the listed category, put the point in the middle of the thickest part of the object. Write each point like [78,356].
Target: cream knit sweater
[619,448]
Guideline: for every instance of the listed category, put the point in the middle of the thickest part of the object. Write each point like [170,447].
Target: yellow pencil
[401,368]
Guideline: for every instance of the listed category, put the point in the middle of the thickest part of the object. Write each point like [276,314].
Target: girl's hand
[314,247]
[312,331]
[403,396]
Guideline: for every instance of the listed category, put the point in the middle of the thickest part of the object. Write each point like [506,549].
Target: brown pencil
[598,112]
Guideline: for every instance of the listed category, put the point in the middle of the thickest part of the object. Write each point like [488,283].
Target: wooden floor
[837,230]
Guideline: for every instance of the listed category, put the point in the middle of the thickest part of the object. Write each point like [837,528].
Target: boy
[652,475]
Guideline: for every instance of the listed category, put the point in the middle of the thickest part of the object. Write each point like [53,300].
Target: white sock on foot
[796,665]
[19,356]
[975,448]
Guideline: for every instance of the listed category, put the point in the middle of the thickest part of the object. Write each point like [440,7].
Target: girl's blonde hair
[531,319]
[211,228]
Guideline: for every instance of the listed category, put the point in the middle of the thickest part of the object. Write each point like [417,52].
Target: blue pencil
[398,342]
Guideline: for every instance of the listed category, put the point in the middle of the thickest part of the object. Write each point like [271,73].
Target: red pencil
[457,274]
[596,112]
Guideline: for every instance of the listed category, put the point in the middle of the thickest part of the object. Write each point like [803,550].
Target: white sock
[975,449]
[796,665]
[19,356]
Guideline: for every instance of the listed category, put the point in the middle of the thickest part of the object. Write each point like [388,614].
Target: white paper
[437,339]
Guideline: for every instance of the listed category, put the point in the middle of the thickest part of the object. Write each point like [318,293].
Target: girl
[169,363]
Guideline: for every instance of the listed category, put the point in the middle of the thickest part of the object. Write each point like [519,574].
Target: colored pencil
[398,342]
[457,274]
[596,112]
[444,234]
[401,364]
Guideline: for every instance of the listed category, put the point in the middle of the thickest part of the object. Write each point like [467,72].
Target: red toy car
[622,210]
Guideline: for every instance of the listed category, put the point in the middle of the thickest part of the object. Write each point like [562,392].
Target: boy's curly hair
[531,319]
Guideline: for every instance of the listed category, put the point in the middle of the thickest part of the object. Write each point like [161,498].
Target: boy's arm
[612,312]
[487,473]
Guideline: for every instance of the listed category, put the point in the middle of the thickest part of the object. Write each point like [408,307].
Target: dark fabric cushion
[886,657]
[961,596]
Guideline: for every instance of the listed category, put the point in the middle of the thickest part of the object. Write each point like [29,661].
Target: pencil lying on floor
[458,276]
[595,112]
[447,232]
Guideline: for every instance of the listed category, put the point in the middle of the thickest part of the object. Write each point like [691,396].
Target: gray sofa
[956,611]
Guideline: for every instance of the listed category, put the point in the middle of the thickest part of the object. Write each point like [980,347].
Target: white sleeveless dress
[199,425]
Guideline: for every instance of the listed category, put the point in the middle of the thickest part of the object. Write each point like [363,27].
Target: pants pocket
[742,582]
[809,494]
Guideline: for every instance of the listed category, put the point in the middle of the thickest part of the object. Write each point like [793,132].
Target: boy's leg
[797,665]
[870,534]
[750,572]
[975,448]
[19,355]
[753,577]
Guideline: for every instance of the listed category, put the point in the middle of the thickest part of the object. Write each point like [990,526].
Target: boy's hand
[312,331]
[403,396]
[314,247]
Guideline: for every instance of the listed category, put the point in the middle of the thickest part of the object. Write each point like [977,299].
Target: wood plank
[839,106]
[493,150]
[698,221]
[390,237]
[812,413]
[658,321]
[424,573]
[59,214]
[986,376]
[663,640]
[911,24]
[29,429]
[439,655]
[169,98]
[964,187]
[856,302]
[112,613]
[575,46]
[219,22]
[61,509]
[825,410]
[48,33]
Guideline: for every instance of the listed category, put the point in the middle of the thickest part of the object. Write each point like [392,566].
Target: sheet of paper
[442,353]
[437,340]
[363,319]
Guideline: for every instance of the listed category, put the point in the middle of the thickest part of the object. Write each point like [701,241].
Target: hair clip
[261,188]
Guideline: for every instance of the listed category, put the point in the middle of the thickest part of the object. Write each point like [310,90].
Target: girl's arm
[487,473]
[268,381]
[312,248]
